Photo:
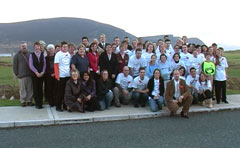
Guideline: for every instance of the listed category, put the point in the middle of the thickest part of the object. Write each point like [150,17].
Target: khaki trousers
[25,89]
[186,103]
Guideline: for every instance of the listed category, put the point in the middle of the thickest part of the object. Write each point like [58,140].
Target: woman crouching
[88,86]
[74,98]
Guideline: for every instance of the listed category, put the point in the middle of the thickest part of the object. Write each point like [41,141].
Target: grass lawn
[233,72]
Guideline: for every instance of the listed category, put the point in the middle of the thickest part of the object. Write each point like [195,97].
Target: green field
[233,72]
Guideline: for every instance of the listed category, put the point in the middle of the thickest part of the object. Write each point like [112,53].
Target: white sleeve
[130,63]
[188,80]
[131,82]
[134,84]
[56,58]
[143,62]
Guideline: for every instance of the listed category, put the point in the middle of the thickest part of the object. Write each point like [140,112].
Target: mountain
[56,30]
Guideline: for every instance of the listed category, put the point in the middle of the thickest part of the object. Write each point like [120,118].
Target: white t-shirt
[175,65]
[135,64]
[147,56]
[203,86]
[196,63]
[155,91]
[220,74]
[165,69]
[190,81]
[186,57]
[124,82]
[63,59]
[140,84]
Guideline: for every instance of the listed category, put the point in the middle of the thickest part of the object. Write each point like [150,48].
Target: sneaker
[136,105]
[30,104]
[23,104]
[225,101]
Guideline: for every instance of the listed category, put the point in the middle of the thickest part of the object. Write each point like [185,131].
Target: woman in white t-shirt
[149,52]
[220,77]
[204,88]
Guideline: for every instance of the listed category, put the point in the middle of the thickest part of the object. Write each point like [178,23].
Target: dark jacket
[111,66]
[103,88]
[151,87]
[21,65]
[49,65]
[72,92]
[89,88]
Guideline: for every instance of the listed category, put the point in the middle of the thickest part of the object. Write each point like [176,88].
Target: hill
[56,30]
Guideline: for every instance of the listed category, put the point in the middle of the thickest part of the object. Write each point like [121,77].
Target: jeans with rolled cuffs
[105,103]
[156,104]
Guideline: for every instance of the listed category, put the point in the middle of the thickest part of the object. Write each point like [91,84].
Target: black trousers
[38,90]
[60,91]
[208,95]
[220,90]
[92,104]
[50,90]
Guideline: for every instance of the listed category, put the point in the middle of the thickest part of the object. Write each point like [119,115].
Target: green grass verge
[7,102]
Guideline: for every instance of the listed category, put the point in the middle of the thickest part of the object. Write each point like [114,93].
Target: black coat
[103,88]
[111,66]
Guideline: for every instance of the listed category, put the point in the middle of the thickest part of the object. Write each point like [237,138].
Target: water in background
[5,54]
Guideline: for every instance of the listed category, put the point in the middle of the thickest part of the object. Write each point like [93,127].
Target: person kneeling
[123,87]
[88,86]
[156,91]
[204,88]
[178,94]
[104,92]
[74,98]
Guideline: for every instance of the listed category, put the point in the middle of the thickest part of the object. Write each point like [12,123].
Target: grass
[233,72]
[7,102]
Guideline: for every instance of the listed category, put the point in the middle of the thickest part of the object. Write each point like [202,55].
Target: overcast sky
[210,20]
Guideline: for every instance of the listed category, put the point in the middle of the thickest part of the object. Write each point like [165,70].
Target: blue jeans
[139,98]
[106,101]
[156,103]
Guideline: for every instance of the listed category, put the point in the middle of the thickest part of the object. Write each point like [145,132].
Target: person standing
[80,60]
[37,64]
[49,75]
[62,73]
[108,61]
[220,77]
[177,94]
[22,71]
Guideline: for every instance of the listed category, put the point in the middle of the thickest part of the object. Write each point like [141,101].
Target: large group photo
[93,76]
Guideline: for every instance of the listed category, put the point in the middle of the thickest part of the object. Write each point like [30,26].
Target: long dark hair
[89,82]
[160,78]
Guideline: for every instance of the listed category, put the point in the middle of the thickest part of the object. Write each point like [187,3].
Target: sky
[210,20]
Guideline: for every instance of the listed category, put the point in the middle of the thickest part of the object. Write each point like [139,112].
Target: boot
[209,103]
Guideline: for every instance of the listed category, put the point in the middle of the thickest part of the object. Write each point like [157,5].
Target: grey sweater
[20,65]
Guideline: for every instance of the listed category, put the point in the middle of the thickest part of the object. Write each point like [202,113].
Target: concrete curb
[58,121]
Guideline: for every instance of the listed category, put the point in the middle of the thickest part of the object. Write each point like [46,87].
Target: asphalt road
[202,130]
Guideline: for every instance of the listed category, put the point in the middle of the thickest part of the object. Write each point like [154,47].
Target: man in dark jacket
[22,71]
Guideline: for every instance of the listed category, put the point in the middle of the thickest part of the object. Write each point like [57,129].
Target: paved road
[204,130]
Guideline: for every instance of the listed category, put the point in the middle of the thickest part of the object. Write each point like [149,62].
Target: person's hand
[113,76]
[89,97]
[42,73]
[52,75]
[79,100]
[180,99]
[155,97]
[175,101]
[38,74]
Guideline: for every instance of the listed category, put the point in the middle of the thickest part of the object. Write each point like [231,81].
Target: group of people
[96,76]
